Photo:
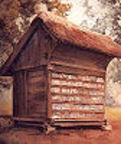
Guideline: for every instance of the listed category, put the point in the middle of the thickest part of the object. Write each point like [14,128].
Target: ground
[63,136]
[67,136]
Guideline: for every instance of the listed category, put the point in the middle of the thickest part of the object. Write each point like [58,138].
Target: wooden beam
[80,95]
[77,103]
[67,68]
[82,111]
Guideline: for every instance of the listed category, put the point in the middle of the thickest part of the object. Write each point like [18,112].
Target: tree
[102,16]
[15,16]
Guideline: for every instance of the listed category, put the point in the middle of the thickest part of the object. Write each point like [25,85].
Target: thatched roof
[67,32]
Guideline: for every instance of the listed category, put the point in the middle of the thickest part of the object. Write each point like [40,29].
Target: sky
[76,13]
[96,15]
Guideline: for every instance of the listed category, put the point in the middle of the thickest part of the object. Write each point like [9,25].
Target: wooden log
[67,68]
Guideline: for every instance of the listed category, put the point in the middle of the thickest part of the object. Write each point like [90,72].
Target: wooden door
[36,94]
[19,94]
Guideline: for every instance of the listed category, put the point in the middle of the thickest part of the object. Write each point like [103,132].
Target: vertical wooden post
[25,93]
[15,109]
[49,98]
[105,95]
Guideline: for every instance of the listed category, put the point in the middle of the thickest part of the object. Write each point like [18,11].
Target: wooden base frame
[49,126]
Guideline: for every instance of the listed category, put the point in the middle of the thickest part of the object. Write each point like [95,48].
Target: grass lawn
[113,113]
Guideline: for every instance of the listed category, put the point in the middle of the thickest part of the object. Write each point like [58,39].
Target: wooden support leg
[48,128]
[107,127]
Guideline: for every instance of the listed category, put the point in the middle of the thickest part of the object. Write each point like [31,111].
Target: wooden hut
[59,73]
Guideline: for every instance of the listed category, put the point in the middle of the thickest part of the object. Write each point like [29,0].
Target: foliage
[60,8]
[15,16]
[102,16]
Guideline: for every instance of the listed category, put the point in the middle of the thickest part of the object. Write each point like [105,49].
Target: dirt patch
[63,136]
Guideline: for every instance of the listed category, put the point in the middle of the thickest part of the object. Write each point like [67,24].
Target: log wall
[69,55]
[77,96]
